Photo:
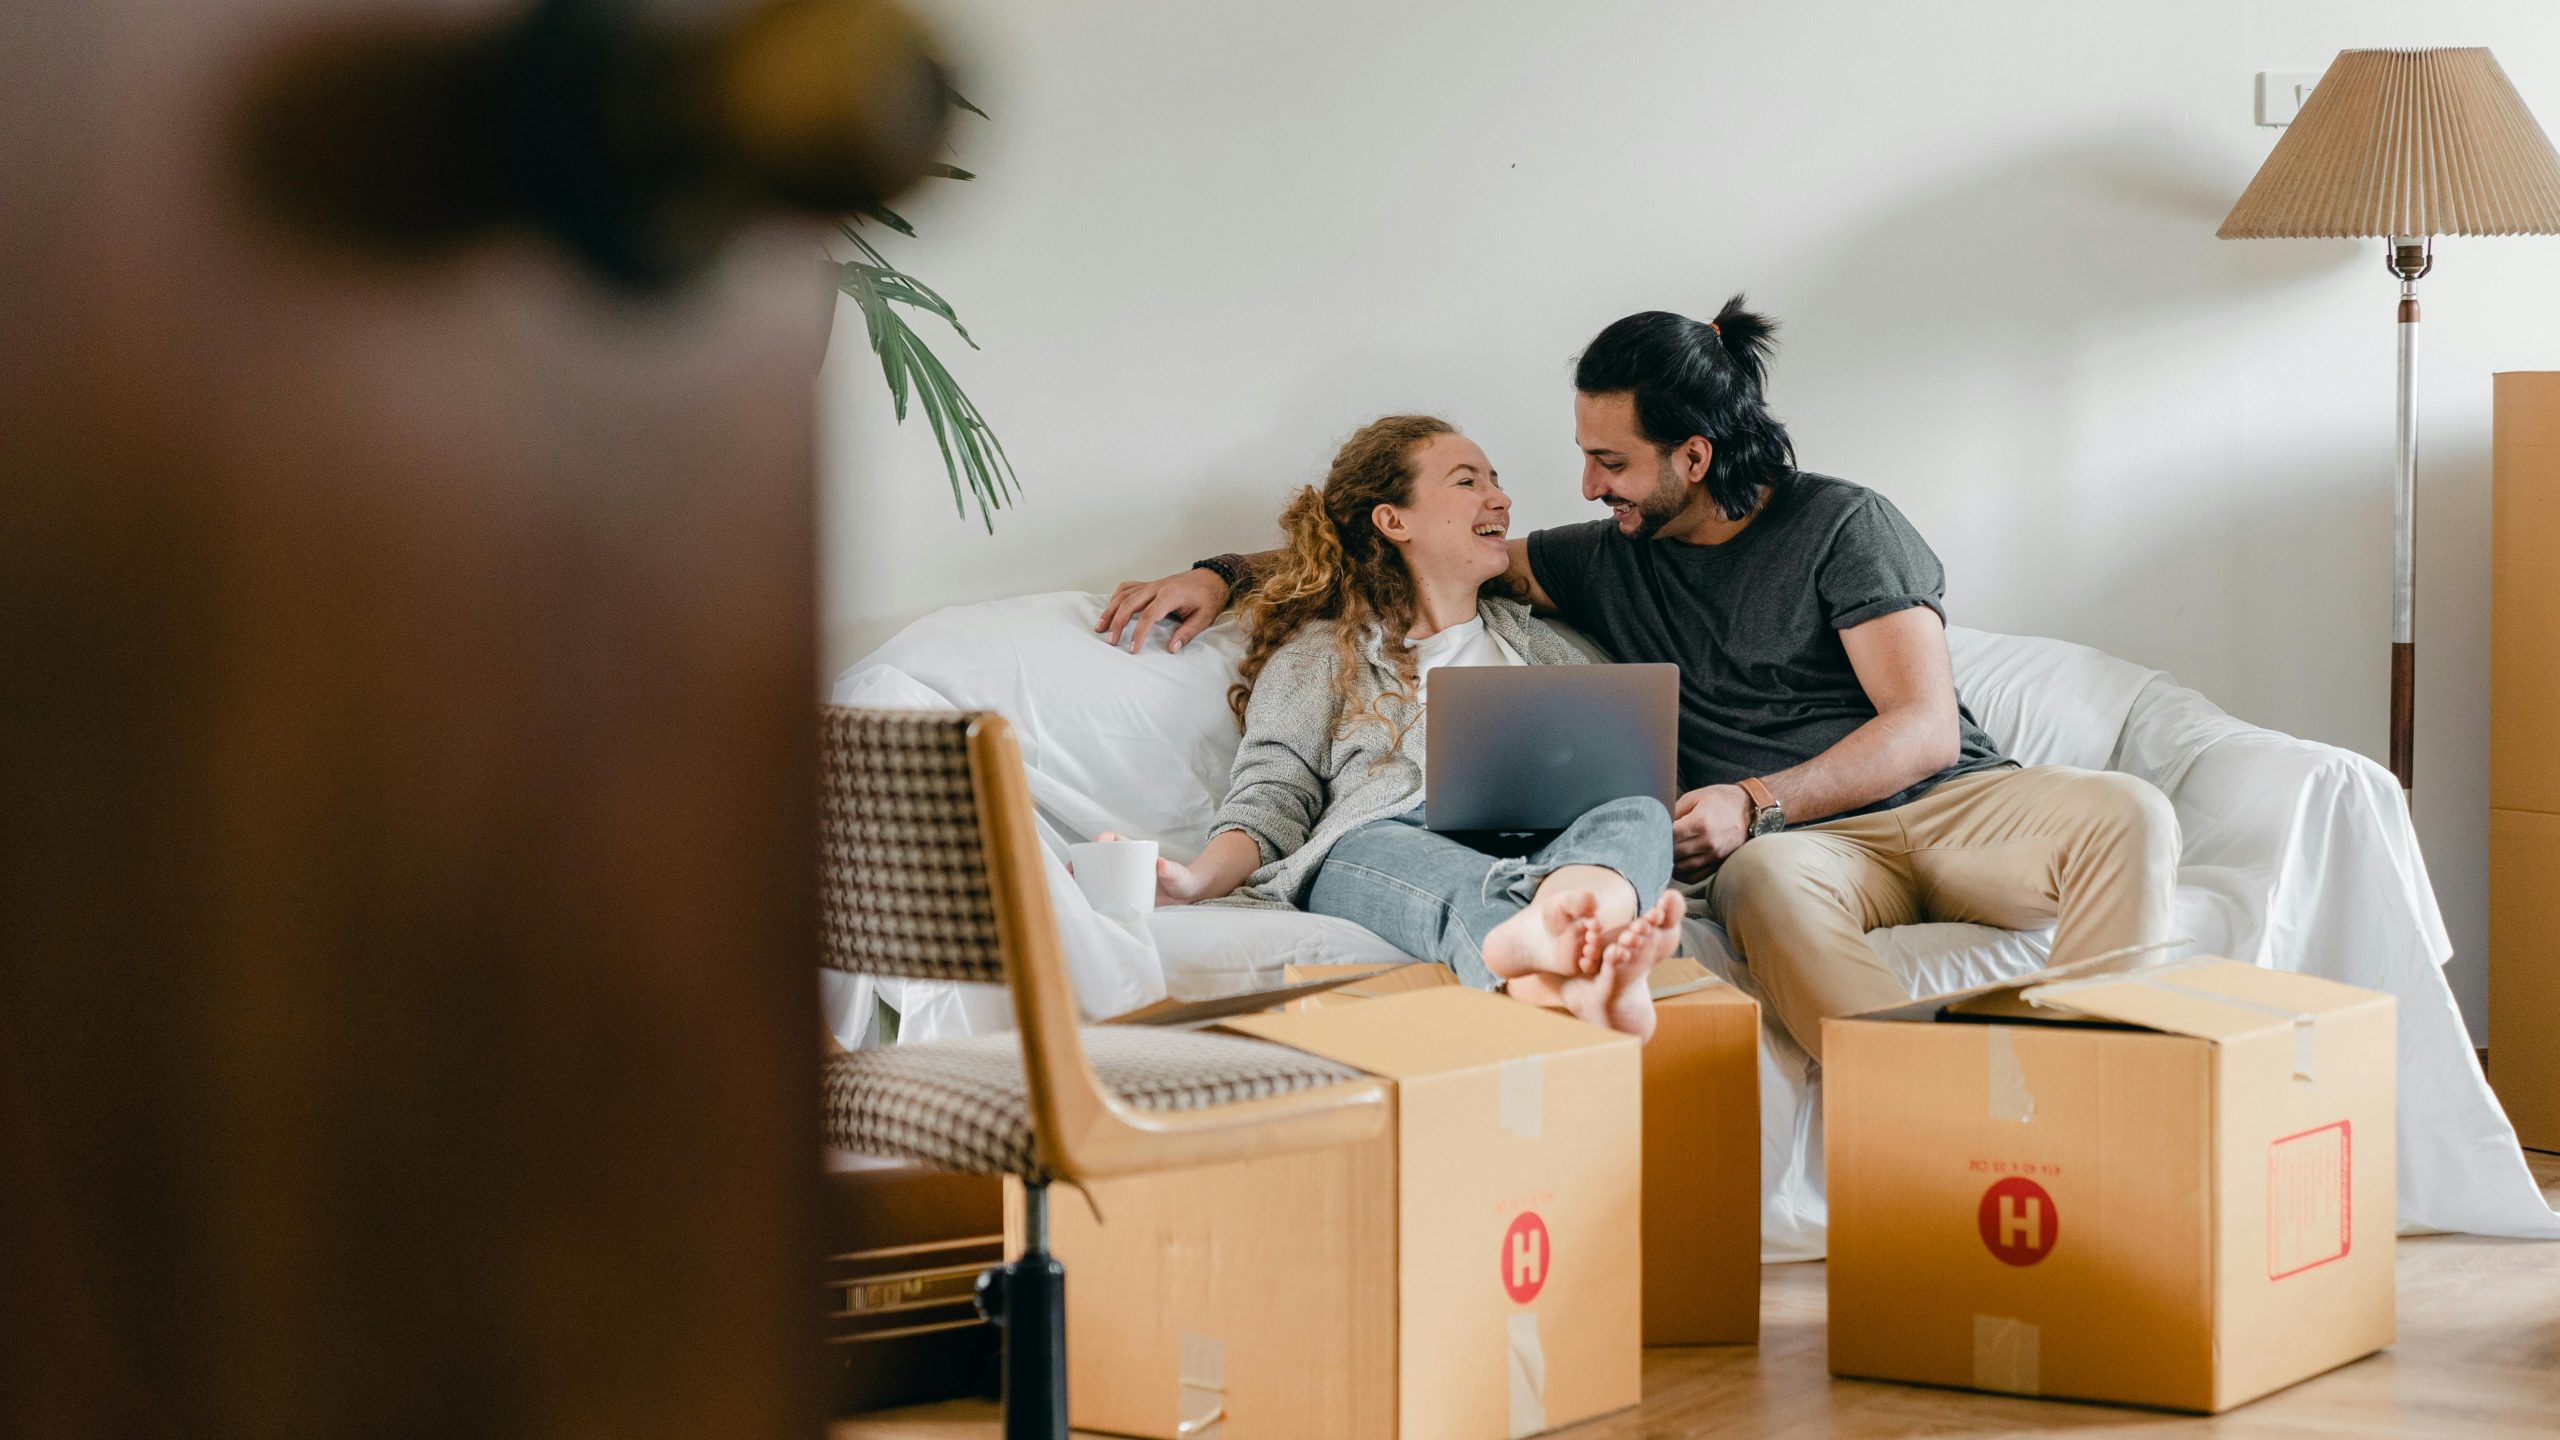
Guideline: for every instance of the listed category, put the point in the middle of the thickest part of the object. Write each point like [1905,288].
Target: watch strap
[1759,795]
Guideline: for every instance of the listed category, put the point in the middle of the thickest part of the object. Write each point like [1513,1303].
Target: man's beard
[1670,496]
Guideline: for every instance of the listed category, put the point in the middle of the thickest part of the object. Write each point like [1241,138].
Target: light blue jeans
[1436,897]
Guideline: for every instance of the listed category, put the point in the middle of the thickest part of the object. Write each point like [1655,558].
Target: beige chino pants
[2092,853]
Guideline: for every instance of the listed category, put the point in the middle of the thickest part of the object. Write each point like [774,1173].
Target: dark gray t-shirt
[1754,623]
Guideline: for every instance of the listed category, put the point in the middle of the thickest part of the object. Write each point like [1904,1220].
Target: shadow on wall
[1973,342]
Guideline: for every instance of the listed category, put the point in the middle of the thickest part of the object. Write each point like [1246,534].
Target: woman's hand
[1217,871]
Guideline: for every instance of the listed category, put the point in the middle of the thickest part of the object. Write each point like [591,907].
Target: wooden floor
[2479,1355]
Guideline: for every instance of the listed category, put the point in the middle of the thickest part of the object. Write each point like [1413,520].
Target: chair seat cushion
[963,1105]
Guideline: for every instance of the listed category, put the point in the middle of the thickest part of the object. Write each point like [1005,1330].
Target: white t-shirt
[1467,644]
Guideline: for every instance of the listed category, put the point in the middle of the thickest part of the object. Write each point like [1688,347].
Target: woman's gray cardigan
[1299,784]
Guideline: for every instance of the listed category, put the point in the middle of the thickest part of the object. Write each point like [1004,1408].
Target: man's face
[1642,485]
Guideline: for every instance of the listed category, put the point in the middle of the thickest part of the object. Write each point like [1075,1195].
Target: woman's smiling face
[1457,523]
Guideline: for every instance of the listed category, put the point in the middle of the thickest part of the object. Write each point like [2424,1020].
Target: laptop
[1532,747]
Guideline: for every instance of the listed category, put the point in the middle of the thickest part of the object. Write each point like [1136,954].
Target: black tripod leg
[1027,1299]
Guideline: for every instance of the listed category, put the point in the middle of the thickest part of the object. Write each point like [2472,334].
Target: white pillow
[2045,702]
[1141,744]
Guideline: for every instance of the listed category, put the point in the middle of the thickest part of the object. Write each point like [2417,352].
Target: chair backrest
[903,880]
[930,869]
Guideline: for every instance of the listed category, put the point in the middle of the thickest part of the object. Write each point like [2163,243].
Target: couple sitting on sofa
[1832,782]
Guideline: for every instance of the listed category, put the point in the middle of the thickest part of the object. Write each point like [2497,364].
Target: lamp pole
[2410,258]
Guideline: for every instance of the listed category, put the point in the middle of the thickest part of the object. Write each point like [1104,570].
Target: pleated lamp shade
[2406,142]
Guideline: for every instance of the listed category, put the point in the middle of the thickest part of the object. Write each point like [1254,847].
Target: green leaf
[972,457]
[890,218]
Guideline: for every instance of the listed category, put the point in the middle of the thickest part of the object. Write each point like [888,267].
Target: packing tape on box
[2004,1355]
[1203,1412]
[1524,1097]
[1528,1376]
[2011,1100]
[2306,1026]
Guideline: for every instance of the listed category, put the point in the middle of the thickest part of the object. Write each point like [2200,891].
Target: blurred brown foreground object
[406,838]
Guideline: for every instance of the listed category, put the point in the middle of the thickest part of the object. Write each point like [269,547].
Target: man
[1834,783]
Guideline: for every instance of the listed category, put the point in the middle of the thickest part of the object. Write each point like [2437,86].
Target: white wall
[1212,238]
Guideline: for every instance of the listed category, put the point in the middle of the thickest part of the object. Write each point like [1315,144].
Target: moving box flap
[1171,1013]
[1680,975]
[1428,1032]
[1928,1006]
[2206,997]
[1371,982]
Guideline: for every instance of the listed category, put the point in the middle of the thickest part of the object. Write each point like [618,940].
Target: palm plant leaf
[972,456]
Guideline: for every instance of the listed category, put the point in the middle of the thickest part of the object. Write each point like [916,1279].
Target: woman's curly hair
[1336,567]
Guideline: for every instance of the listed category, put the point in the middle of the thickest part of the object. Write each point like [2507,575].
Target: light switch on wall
[2281,93]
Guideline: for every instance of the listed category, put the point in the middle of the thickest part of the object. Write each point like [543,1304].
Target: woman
[1392,569]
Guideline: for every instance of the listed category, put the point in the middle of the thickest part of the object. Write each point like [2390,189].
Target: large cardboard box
[2524,766]
[1701,1143]
[2168,1187]
[1470,1275]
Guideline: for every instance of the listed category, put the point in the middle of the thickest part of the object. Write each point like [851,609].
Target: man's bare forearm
[1881,758]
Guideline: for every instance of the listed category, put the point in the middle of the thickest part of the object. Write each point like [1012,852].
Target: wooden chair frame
[1084,1132]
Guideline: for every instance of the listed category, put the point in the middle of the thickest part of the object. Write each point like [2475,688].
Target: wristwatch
[1768,817]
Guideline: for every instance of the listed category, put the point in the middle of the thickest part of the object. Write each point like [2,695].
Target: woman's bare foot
[1617,997]
[1555,934]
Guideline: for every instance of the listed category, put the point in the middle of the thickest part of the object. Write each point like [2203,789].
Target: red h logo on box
[2018,1221]
[1524,1257]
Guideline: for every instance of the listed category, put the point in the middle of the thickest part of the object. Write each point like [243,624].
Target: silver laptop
[1531,747]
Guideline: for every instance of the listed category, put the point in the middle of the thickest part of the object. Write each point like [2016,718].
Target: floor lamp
[2406,145]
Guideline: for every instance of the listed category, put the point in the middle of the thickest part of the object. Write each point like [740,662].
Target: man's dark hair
[1693,378]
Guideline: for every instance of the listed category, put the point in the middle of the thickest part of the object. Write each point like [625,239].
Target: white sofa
[2296,855]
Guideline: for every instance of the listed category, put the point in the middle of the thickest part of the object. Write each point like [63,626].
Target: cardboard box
[1472,1274]
[1701,1143]
[2168,1187]
[2524,767]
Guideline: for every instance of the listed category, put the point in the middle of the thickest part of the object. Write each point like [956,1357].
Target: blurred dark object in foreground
[904,1247]
[639,139]
[406,820]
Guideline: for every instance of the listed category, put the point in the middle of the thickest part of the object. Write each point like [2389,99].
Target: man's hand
[1195,597]
[1707,825]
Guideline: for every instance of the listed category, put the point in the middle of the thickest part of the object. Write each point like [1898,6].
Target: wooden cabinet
[2524,756]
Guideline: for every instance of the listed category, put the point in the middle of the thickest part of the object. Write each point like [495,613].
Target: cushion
[964,1105]
[1213,950]
[2045,702]
[1140,744]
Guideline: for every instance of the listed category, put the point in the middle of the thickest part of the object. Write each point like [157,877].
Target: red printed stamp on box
[2310,1199]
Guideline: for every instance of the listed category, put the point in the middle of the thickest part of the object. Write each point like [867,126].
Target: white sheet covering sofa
[2297,855]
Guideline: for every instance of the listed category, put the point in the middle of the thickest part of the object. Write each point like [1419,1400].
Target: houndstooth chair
[930,869]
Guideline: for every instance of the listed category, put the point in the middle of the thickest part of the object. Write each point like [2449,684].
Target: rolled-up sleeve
[1877,564]
[1276,791]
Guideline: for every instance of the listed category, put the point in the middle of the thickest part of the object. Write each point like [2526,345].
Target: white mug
[1118,877]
